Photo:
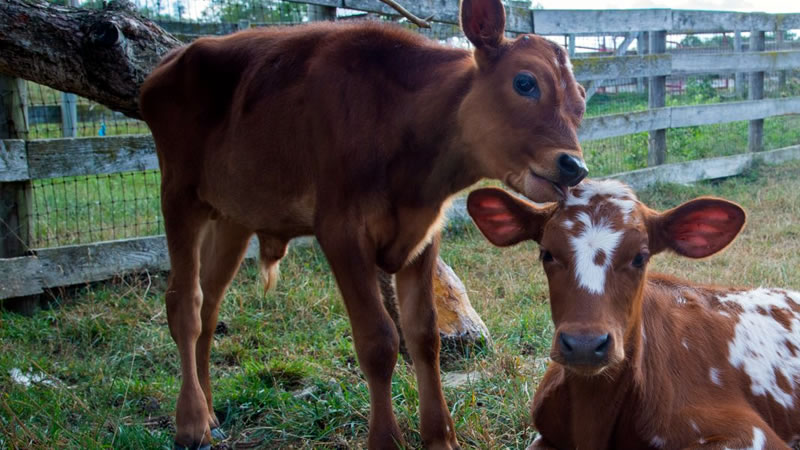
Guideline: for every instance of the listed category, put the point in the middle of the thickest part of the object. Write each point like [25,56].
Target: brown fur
[358,134]
[668,381]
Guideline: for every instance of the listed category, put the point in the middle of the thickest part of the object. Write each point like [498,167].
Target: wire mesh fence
[85,209]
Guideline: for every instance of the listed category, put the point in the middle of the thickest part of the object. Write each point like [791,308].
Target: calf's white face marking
[762,346]
[595,238]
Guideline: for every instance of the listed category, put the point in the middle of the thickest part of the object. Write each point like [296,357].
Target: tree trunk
[105,55]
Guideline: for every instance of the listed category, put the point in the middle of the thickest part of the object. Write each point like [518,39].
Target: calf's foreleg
[352,259]
[418,322]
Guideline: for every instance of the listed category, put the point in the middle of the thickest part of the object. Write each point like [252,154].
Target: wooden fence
[26,271]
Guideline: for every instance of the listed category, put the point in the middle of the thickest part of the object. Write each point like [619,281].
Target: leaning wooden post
[756,128]
[15,196]
[739,78]
[657,98]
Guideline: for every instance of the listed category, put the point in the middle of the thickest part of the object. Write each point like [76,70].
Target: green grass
[108,351]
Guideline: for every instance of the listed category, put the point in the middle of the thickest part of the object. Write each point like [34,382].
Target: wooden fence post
[657,98]
[69,102]
[756,128]
[15,197]
[317,12]
[781,74]
[641,50]
[572,44]
[739,77]
[69,115]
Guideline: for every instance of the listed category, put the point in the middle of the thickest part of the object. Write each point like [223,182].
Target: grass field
[283,364]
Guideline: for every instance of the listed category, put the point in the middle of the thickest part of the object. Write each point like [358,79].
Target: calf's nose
[584,349]
[571,169]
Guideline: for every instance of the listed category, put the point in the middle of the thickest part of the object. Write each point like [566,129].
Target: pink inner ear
[491,203]
[704,232]
[507,229]
[499,217]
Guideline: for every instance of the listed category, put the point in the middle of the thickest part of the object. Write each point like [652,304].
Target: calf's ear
[505,219]
[697,228]
[483,22]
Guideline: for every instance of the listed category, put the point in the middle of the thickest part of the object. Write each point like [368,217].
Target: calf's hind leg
[185,221]
[223,248]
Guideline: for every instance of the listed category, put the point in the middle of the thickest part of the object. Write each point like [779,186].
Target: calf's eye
[545,256]
[639,260]
[525,84]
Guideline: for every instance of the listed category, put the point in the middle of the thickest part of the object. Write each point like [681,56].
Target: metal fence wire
[78,210]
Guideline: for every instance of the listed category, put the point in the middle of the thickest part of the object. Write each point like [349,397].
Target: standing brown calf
[358,134]
[645,360]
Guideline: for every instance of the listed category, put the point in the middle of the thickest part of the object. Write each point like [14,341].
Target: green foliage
[700,90]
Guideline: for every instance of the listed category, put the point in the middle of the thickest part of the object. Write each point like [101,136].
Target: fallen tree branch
[103,55]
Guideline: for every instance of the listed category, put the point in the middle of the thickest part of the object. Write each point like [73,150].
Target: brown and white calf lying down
[645,360]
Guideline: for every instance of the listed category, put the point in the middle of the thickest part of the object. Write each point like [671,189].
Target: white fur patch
[759,440]
[594,238]
[694,426]
[685,343]
[617,193]
[713,374]
[680,300]
[658,442]
[760,345]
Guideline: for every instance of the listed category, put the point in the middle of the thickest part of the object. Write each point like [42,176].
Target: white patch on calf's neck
[594,238]
[713,374]
[759,440]
[658,442]
[760,346]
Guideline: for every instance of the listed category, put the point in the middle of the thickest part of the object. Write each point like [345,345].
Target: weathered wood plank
[680,21]
[600,21]
[683,64]
[605,68]
[685,116]
[705,169]
[709,21]
[621,124]
[50,158]
[690,21]
[13,160]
